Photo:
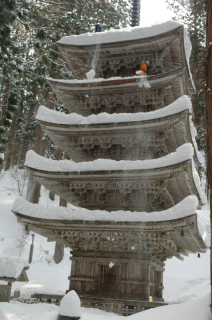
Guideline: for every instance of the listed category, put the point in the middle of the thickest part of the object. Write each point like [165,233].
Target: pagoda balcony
[136,136]
[116,53]
[149,185]
[120,95]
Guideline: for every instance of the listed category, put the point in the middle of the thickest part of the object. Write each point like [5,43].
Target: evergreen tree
[192,14]
[37,58]
[13,20]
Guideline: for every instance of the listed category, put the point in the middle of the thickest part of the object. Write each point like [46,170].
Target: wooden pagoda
[132,141]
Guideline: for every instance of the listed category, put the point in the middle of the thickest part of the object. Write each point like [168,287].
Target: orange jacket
[143,69]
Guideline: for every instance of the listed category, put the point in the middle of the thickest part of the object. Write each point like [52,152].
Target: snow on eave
[183,153]
[132,80]
[185,208]
[52,116]
[120,35]
[12,267]
[181,104]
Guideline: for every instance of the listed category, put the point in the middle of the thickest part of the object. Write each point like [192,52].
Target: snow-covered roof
[119,35]
[183,209]
[183,153]
[47,115]
[12,267]
[33,160]
[181,104]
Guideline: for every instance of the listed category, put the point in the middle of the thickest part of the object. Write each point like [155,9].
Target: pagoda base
[119,283]
[123,307]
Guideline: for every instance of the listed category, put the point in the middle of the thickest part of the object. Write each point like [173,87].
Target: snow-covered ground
[187,283]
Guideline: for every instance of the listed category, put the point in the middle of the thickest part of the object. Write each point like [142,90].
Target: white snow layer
[192,310]
[45,114]
[119,35]
[33,160]
[183,153]
[2,315]
[11,267]
[183,209]
[70,305]
[90,80]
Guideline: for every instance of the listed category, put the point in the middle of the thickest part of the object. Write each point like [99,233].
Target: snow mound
[70,305]
[2,315]
[11,267]
[183,209]
[90,74]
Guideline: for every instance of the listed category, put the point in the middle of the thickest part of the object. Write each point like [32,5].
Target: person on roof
[143,69]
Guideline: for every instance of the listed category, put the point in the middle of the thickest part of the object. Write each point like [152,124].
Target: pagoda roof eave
[79,54]
[190,241]
[62,215]
[63,134]
[125,34]
[158,79]
[88,97]
[172,181]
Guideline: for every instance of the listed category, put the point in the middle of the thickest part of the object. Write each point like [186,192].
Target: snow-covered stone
[70,306]
[11,267]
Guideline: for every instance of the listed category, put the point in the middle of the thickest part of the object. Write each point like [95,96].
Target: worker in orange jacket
[143,69]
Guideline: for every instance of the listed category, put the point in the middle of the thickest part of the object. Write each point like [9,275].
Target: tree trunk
[59,247]
[33,191]
[208,106]
[27,140]
[9,153]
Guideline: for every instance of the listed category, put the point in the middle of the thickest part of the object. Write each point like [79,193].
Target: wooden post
[31,249]
[59,247]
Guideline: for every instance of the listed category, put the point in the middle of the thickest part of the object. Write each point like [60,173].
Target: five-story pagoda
[132,173]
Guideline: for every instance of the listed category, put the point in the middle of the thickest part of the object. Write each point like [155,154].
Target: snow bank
[2,315]
[119,35]
[183,209]
[11,267]
[52,116]
[195,310]
[70,305]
